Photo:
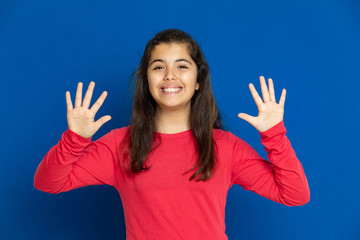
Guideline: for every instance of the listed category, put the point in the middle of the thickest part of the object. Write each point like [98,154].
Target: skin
[270,112]
[80,118]
[173,111]
[172,64]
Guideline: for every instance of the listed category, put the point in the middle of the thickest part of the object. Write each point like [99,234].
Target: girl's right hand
[81,118]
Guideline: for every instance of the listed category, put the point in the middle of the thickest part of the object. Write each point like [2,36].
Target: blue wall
[311,48]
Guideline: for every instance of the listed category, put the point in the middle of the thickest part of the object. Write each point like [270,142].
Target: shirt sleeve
[76,162]
[281,179]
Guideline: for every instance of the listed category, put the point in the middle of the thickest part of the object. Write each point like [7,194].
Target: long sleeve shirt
[162,203]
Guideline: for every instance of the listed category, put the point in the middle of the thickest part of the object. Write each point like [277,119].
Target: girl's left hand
[270,112]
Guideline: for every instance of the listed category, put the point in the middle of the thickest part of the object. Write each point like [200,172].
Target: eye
[158,67]
[183,66]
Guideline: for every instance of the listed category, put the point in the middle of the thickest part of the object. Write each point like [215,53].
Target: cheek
[195,75]
[151,80]
[192,78]
[152,84]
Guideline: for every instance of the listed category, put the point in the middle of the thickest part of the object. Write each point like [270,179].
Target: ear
[197,86]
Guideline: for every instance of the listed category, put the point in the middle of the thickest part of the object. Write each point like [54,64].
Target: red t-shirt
[162,203]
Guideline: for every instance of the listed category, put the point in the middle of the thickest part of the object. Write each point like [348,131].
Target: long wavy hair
[204,115]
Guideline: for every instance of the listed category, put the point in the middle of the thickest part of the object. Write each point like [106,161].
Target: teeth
[167,90]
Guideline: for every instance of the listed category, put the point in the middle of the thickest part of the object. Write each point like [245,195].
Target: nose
[169,75]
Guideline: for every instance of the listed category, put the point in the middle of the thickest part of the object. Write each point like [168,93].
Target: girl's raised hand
[80,118]
[270,112]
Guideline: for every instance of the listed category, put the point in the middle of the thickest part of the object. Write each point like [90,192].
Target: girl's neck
[172,121]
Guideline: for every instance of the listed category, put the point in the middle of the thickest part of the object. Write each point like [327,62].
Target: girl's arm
[76,162]
[282,179]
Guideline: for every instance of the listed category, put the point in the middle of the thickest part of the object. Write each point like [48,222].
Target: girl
[174,164]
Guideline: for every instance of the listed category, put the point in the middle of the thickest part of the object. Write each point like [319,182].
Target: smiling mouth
[171,90]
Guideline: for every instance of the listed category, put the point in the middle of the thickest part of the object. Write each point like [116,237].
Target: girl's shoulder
[228,140]
[119,133]
[223,135]
[218,135]
[121,130]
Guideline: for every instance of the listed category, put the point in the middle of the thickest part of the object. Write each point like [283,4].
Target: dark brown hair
[204,116]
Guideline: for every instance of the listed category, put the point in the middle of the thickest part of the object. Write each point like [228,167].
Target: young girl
[174,164]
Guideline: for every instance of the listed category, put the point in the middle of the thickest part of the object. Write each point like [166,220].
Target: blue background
[311,48]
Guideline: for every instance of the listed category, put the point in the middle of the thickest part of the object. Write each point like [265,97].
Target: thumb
[101,121]
[246,117]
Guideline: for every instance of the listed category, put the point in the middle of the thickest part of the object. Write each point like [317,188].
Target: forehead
[170,51]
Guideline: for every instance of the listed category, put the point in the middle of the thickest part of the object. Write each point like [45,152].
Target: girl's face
[172,76]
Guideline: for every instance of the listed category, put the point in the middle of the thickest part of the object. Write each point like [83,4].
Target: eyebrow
[178,60]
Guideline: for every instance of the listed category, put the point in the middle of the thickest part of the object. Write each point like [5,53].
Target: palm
[80,118]
[270,112]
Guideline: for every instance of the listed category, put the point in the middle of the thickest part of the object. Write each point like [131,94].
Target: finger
[247,117]
[255,95]
[271,90]
[264,89]
[99,102]
[282,98]
[102,121]
[69,105]
[88,95]
[78,95]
